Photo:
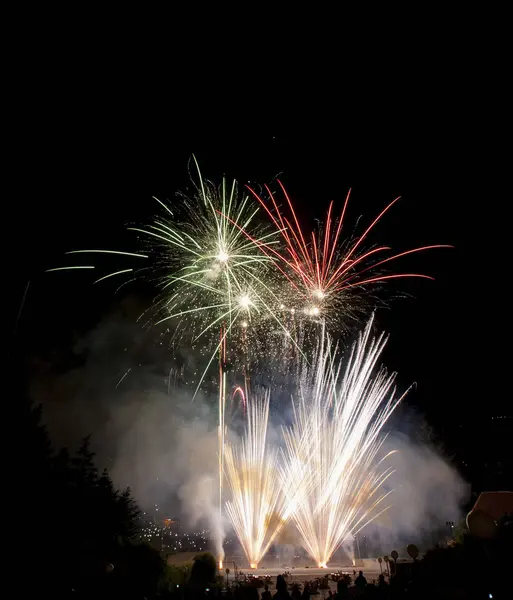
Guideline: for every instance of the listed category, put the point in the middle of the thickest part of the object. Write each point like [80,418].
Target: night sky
[84,187]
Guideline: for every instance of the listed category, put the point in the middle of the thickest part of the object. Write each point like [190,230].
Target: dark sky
[79,190]
[415,107]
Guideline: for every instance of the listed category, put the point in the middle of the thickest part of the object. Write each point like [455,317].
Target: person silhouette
[295,593]
[266,594]
[306,592]
[281,588]
[360,581]
[342,590]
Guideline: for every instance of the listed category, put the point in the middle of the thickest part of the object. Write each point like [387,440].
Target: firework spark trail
[197,255]
[240,391]
[332,478]
[208,272]
[123,377]
[324,266]
[221,428]
[207,267]
[257,501]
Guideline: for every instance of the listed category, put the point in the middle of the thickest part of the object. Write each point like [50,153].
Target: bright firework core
[244,301]
[319,294]
[222,256]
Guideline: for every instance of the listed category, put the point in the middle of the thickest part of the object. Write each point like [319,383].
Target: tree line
[76,532]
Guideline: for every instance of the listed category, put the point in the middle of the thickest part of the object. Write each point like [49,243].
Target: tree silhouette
[204,569]
[82,532]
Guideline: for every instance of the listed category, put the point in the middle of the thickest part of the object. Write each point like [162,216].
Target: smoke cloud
[151,436]
[427,493]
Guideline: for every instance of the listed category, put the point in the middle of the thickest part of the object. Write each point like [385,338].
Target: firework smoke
[164,447]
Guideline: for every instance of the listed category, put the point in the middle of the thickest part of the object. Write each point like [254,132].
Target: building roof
[494,504]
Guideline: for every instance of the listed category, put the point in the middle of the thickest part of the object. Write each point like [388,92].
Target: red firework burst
[324,264]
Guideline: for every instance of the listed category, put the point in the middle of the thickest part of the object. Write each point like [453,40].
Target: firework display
[333,480]
[257,506]
[238,274]
[324,269]
[210,273]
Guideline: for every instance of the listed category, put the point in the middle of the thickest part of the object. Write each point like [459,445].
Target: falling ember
[333,480]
